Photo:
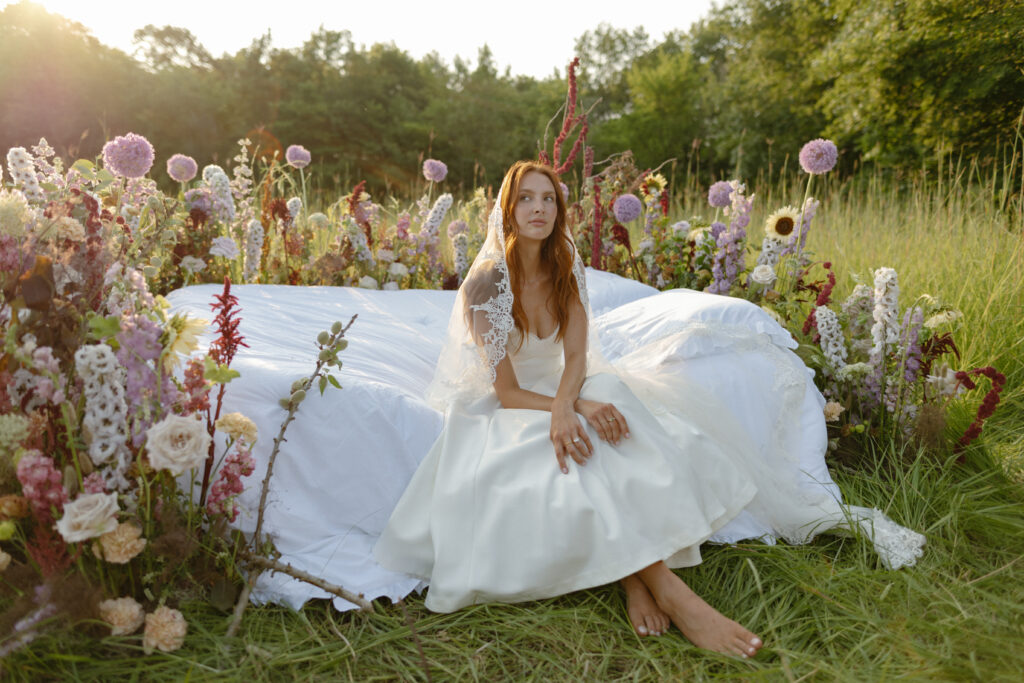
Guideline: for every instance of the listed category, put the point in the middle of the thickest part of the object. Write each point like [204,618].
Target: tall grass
[827,611]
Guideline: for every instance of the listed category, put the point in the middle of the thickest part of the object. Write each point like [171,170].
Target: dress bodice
[536,359]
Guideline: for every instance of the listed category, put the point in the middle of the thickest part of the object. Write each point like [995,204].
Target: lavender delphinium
[138,353]
[913,320]
[728,260]
[130,156]
[182,168]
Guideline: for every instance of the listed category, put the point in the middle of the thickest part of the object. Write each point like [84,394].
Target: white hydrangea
[886,330]
[832,343]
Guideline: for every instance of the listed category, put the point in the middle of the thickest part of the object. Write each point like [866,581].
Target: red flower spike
[988,404]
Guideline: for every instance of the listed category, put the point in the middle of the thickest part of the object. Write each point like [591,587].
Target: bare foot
[647,618]
[701,623]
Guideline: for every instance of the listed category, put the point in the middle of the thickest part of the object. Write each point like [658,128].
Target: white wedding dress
[489,516]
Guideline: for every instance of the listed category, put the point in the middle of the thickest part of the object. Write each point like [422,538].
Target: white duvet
[350,453]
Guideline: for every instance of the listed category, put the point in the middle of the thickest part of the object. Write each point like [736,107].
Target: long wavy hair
[556,253]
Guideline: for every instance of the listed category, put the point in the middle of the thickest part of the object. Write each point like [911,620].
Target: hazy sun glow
[531,37]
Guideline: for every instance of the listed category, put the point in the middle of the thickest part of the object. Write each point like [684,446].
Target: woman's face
[536,207]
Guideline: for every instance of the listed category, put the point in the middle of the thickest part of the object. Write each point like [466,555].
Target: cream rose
[763,275]
[89,516]
[124,615]
[177,444]
[120,545]
[165,630]
[238,426]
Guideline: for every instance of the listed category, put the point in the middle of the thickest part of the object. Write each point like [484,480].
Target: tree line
[895,84]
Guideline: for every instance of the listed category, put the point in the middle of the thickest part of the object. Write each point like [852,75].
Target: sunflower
[780,224]
[655,182]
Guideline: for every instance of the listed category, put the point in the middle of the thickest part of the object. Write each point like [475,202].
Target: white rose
[763,275]
[177,444]
[367,282]
[89,516]
[397,269]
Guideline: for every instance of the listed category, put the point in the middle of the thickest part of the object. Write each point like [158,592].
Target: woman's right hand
[605,418]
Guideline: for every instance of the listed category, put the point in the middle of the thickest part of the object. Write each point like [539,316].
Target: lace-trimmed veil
[481,322]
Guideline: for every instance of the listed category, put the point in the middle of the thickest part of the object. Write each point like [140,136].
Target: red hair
[557,252]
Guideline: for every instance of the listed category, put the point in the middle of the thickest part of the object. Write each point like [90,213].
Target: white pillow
[608,290]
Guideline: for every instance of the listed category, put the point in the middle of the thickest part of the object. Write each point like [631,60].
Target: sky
[531,37]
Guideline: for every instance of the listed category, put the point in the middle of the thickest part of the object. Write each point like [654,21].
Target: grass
[827,611]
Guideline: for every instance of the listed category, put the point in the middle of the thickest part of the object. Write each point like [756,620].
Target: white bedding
[350,453]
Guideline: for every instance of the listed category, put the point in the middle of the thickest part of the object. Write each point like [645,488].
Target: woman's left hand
[605,418]
[568,436]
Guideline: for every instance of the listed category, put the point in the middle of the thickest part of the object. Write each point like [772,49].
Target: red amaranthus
[988,404]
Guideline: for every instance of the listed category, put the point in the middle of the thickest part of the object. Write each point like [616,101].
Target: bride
[556,471]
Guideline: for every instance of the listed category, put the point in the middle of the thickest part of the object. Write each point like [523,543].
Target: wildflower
[165,630]
[183,337]
[818,156]
[390,287]
[88,516]
[367,282]
[945,381]
[14,213]
[120,545]
[229,485]
[853,371]
[697,234]
[318,220]
[909,339]
[718,194]
[182,168]
[435,171]
[224,246]
[942,318]
[192,264]
[177,444]
[238,426]
[222,201]
[13,429]
[5,561]
[253,248]
[771,250]
[832,411]
[681,228]
[124,615]
[12,506]
[294,206]
[297,156]
[781,223]
[22,167]
[41,483]
[763,275]
[832,343]
[436,215]
[627,207]
[655,182]
[456,228]
[460,256]
[128,155]
[885,331]
[565,191]
[385,255]
[198,198]
[105,422]
[398,270]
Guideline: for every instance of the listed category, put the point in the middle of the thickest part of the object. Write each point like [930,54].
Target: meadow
[827,611]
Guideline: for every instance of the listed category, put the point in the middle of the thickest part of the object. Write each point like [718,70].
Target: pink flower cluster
[221,500]
[41,484]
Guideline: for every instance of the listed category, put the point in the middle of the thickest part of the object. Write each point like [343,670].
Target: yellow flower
[781,224]
[183,338]
[655,182]
[237,426]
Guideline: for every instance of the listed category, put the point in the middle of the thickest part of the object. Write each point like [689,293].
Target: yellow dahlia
[183,337]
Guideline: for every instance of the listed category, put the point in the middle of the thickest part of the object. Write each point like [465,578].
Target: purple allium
[199,198]
[128,155]
[435,171]
[627,207]
[718,194]
[182,168]
[818,156]
[297,156]
[456,228]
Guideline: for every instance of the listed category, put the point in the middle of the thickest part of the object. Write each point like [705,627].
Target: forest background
[897,85]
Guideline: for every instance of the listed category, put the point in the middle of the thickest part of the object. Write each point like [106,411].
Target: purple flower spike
[130,156]
[297,156]
[182,168]
[435,171]
[718,194]
[627,208]
[818,156]
[565,192]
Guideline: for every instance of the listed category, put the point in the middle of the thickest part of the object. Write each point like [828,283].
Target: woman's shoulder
[483,282]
